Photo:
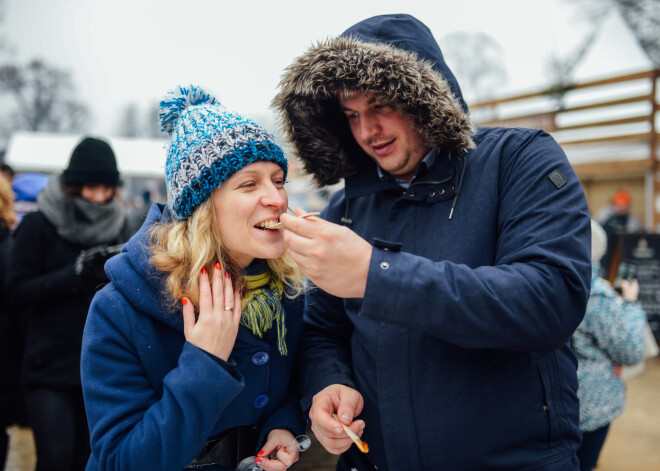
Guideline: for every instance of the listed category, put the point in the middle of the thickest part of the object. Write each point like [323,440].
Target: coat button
[384,265]
[261,401]
[260,358]
[432,194]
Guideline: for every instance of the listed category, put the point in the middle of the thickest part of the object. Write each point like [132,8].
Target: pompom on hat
[208,145]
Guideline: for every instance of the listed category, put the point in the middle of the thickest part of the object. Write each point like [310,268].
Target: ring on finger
[229,308]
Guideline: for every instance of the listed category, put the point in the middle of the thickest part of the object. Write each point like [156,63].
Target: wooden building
[608,129]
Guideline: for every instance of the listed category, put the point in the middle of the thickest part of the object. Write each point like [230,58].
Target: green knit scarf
[262,305]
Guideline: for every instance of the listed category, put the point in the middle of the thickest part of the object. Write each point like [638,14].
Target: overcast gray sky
[123,51]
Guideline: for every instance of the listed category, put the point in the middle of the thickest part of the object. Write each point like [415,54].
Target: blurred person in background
[611,335]
[27,187]
[7,172]
[55,268]
[616,218]
[10,341]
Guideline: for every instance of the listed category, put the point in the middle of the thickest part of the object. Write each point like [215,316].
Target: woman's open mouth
[271,224]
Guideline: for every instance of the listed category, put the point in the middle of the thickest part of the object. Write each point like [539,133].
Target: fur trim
[314,125]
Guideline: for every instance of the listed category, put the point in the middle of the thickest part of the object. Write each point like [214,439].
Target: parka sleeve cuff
[386,270]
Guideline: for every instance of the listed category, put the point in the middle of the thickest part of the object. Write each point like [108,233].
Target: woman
[55,268]
[188,352]
[10,339]
[611,334]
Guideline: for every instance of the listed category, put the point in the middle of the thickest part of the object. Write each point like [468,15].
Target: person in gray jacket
[451,269]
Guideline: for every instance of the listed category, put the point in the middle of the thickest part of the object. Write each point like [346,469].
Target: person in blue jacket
[452,269]
[188,353]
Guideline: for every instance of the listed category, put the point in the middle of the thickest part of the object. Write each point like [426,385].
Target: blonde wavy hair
[182,248]
[7,213]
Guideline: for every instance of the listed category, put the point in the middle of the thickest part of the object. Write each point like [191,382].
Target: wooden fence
[608,128]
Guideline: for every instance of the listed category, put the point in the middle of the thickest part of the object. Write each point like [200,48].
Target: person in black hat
[92,161]
[55,268]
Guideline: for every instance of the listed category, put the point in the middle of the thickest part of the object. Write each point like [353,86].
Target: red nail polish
[227,274]
[258,460]
[260,453]
[184,301]
[279,447]
[218,266]
[204,270]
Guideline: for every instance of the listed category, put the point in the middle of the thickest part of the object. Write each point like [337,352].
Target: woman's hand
[630,290]
[219,315]
[279,452]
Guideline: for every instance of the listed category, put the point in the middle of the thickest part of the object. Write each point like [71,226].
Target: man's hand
[346,403]
[333,257]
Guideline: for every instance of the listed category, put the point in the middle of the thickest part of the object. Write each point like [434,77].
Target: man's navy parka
[480,271]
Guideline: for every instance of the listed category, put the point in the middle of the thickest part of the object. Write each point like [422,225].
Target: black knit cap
[92,162]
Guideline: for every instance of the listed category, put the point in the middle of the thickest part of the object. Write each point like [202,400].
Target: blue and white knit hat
[209,144]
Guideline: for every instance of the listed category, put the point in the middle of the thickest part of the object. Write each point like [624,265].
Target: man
[452,269]
[616,219]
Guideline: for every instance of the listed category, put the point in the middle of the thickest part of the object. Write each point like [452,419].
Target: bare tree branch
[128,121]
[560,69]
[476,59]
[642,16]
[44,96]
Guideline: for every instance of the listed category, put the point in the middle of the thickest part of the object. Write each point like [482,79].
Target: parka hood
[392,56]
[137,280]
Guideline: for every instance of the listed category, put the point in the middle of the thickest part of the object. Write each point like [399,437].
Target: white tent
[50,153]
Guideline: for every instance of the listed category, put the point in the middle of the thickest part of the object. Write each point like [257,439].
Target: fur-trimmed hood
[396,58]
